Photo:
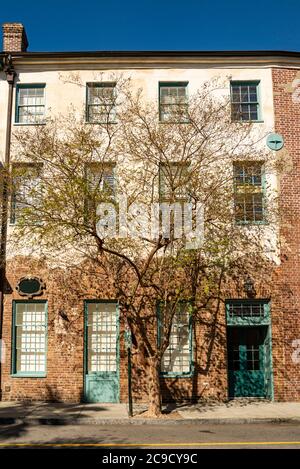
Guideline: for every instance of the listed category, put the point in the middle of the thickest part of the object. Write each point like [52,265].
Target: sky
[76,25]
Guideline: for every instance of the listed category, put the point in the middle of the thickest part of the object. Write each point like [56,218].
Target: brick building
[47,339]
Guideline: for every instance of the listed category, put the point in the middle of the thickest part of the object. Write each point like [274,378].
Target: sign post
[128,343]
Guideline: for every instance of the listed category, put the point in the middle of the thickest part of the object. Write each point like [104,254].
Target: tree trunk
[154,409]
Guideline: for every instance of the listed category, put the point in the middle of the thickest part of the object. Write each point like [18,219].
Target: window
[101,103]
[101,177]
[248,192]
[100,188]
[25,193]
[173,193]
[173,102]
[29,337]
[245,101]
[30,104]
[246,310]
[173,179]
[177,358]
[246,348]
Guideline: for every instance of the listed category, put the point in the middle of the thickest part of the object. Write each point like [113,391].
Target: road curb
[10,421]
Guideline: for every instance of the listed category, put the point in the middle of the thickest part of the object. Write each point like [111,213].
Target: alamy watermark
[296,90]
[296,352]
[2,351]
[178,220]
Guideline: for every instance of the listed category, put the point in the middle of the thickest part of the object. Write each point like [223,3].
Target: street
[195,435]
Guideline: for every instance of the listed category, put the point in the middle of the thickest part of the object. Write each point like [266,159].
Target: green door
[247,371]
[101,352]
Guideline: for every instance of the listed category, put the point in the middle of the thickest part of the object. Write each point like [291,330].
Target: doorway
[249,361]
[101,382]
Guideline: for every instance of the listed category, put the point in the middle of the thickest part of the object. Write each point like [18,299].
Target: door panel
[102,352]
[246,361]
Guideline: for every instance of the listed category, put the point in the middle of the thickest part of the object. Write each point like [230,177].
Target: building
[256,349]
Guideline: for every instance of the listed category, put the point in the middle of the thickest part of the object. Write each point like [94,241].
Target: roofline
[153,59]
[158,53]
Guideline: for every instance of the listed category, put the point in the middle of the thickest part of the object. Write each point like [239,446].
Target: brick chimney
[14,37]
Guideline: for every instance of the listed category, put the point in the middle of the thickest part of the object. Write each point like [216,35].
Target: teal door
[247,371]
[101,352]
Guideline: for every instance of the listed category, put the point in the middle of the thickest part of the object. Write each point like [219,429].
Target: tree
[84,180]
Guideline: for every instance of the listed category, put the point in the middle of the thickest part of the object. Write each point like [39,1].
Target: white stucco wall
[60,94]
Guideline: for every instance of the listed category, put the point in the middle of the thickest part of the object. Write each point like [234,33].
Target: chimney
[14,37]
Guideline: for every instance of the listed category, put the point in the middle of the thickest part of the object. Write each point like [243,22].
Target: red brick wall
[287,327]
[65,376]
[14,37]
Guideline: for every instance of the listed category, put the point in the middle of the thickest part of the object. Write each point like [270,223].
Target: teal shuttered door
[101,352]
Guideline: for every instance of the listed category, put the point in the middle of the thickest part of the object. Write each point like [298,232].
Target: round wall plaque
[275,141]
[30,286]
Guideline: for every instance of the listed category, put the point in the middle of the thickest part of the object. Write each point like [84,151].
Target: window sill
[174,122]
[177,375]
[251,223]
[21,124]
[29,375]
[15,224]
[247,122]
[101,123]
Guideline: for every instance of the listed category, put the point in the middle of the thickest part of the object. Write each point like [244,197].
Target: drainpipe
[10,78]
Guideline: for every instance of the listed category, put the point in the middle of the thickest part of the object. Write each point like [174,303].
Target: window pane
[101,106]
[102,337]
[176,358]
[244,94]
[26,192]
[101,176]
[248,192]
[31,105]
[30,337]
[173,103]
[173,180]
[244,99]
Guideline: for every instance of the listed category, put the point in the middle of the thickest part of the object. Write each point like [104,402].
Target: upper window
[100,188]
[30,104]
[173,102]
[29,337]
[25,190]
[245,101]
[177,358]
[101,103]
[248,192]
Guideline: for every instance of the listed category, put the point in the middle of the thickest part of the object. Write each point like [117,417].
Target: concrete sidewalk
[237,411]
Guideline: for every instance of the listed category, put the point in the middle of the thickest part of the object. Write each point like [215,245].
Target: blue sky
[66,25]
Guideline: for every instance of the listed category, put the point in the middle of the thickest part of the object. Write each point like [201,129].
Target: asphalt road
[196,436]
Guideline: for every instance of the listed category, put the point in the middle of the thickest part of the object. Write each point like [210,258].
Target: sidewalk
[238,411]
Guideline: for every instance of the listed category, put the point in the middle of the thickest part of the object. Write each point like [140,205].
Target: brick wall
[66,291]
[14,37]
[287,325]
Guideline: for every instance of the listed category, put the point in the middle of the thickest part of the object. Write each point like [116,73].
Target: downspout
[10,78]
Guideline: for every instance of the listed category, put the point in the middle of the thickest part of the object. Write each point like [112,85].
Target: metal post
[10,78]
[130,411]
